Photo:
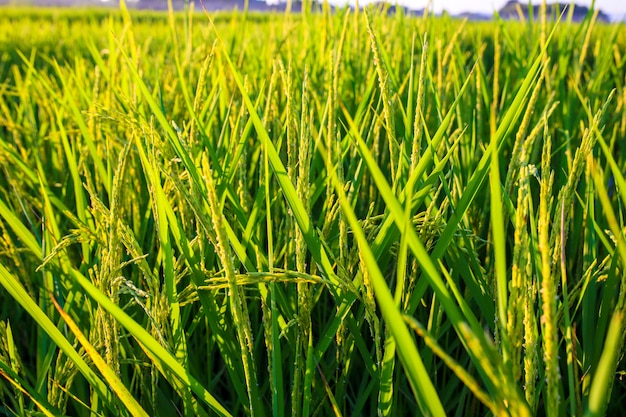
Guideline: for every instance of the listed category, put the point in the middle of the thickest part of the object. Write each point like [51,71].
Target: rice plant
[333,212]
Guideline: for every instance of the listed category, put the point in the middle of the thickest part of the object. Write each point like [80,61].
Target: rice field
[324,213]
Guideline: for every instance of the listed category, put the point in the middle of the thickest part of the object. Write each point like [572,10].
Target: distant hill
[510,11]
[392,8]
[52,3]
[473,16]
[215,5]
[212,5]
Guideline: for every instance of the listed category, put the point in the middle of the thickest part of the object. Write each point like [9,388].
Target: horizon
[610,7]
[613,8]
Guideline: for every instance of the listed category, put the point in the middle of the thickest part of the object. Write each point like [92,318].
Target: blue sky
[612,7]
